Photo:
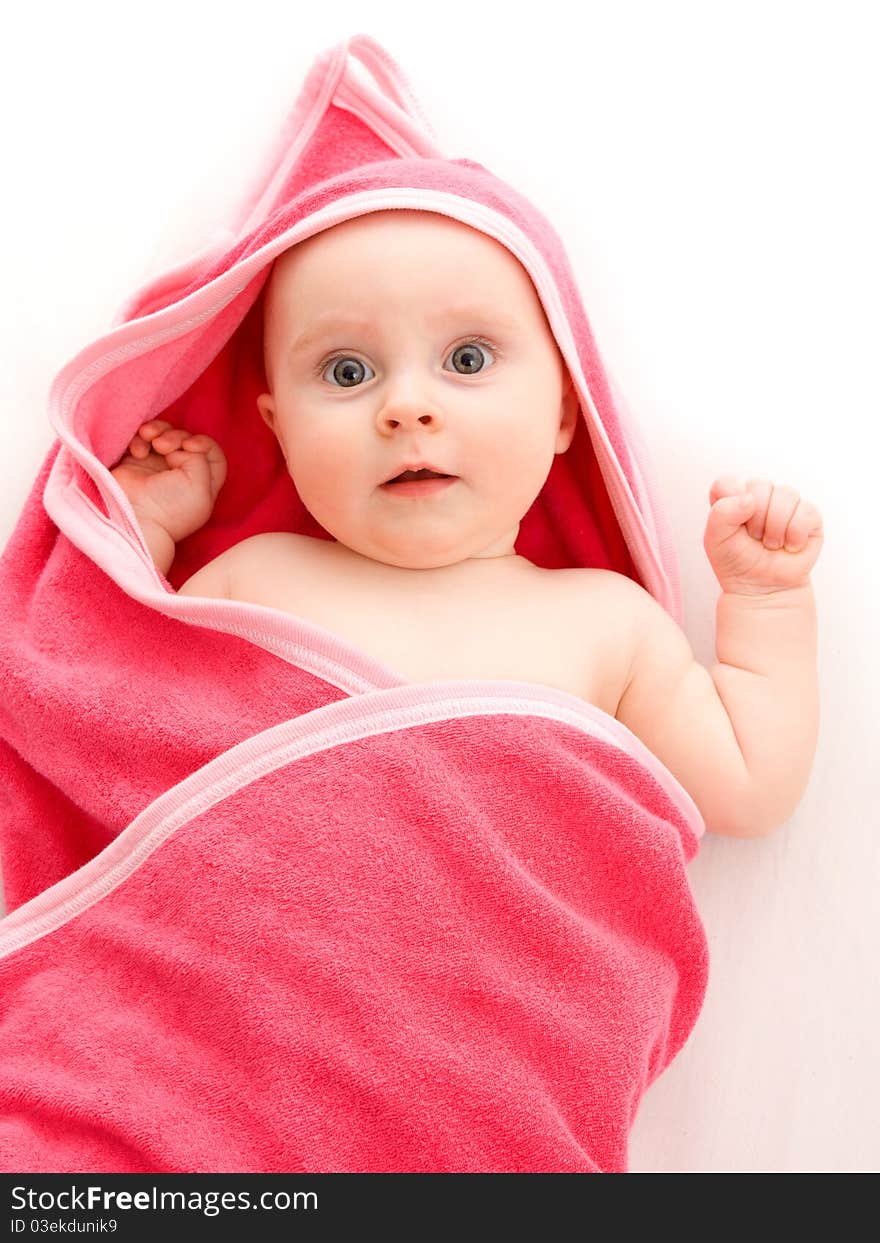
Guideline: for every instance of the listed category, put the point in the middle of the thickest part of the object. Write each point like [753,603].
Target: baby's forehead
[435,257]
[420,240]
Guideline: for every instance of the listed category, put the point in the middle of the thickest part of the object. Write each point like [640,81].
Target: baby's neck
[467,567]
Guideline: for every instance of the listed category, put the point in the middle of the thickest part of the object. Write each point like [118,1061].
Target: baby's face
[406,336]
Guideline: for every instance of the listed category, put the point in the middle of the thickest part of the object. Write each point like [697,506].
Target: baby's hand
[171,478]
[768,544]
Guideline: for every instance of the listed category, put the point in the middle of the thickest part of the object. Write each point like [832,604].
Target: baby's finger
[760,490]
[152,428]
[183,457]
[138,447]
[194,465]
[805,522]
[726,517]
[783,503]
[166,442]
[725,485]
[215,459]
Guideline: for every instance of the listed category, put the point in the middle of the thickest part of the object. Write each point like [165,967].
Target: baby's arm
[159,543]
[741,739]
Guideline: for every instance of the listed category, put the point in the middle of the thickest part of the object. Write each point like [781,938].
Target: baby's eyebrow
[329,321]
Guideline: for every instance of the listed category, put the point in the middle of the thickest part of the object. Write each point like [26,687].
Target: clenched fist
[761,537]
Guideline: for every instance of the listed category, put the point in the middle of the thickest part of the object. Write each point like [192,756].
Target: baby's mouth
[416,474]
[414,484]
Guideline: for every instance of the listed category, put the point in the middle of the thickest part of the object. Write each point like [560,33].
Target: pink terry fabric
[271,906]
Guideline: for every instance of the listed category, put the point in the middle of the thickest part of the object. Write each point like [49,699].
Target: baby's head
[399,337]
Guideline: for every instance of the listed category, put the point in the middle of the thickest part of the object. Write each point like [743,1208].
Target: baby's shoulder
[602,614]
[268,544]
[627,612]
[232,570]
[639,625]
[607,594]
[251,561]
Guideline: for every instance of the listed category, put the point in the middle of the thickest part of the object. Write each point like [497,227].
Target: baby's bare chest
[557,628]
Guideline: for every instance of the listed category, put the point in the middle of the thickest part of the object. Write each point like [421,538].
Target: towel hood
[187,347]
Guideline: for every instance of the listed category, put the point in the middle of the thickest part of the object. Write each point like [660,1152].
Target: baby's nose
[409,414]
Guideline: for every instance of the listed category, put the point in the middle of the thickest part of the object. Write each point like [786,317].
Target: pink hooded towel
[272,907]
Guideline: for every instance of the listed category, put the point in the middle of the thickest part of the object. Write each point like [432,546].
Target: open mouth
[418,483]
[408,476]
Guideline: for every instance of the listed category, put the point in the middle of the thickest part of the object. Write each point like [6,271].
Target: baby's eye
[347,371]
[468,355]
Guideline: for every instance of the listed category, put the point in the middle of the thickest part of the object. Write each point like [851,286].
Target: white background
[711,169]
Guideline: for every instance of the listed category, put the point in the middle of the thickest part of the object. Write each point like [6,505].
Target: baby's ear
[266,407]
[569,412]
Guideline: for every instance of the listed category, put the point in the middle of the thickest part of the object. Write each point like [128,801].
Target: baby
[418,395]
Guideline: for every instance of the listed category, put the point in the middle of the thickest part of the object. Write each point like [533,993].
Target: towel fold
[346,945]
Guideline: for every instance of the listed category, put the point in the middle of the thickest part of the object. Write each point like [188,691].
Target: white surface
[712,172]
